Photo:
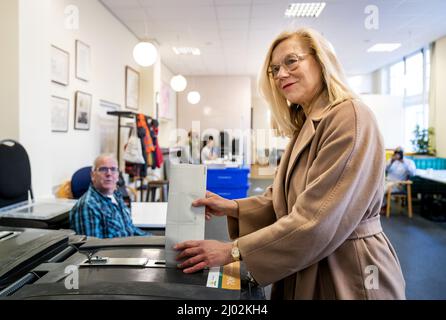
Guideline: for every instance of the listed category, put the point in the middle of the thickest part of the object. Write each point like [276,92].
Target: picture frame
[83,61]
[132,84]
[60,66]
[82,114]
[60,113]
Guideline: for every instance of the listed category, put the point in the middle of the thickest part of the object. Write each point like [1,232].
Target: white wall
[168,125]
[111,50]
[361,84]
[438,110]
[9,65]
[229,100]
[225,104]
[389,113]
[34,69]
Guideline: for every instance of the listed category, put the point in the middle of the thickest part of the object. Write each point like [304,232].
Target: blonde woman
[315,233]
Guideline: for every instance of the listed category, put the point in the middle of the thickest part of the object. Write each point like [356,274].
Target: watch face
[235,253]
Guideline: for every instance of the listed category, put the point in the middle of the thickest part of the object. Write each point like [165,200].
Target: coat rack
[122,114]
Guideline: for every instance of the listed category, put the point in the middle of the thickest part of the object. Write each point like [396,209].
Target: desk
[434,175]
[149,214]
[41,213]
[430,185]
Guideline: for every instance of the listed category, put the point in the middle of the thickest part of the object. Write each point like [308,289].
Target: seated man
[208,152]
[399,168]
[101,211]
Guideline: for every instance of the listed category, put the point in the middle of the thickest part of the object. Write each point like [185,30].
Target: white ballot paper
[187,183]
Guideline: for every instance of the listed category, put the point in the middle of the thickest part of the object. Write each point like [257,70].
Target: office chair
[80,182]
[15,173]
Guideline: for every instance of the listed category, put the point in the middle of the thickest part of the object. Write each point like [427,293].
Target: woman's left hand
[200,254]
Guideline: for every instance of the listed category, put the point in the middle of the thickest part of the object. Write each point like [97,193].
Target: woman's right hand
[217,206]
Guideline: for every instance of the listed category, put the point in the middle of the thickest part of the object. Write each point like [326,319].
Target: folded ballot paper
[187,183]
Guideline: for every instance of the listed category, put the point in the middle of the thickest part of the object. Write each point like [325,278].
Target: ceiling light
[384,47]
[186,51]
[312,10]
[193,97]
[207,111]
[145,54]
[178,83]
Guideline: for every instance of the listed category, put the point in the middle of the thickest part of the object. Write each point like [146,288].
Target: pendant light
[178,83]
[194,97]
[145,53]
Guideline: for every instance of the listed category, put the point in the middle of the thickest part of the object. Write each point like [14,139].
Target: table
[434,175]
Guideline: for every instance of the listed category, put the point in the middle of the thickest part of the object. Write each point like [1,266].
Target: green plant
[423,140]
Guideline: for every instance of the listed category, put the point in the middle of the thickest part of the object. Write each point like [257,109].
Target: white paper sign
[184,222]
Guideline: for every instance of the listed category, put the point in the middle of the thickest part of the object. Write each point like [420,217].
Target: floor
[420,245]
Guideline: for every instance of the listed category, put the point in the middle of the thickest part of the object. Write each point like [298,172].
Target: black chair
[15,173]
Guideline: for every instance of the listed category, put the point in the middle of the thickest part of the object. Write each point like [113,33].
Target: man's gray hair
[101,157]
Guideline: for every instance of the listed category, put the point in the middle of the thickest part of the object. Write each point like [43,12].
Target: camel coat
[316,232]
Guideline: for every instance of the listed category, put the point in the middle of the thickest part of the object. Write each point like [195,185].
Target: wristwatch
[235,252]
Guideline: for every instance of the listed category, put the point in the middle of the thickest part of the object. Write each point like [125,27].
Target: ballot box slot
[6,235]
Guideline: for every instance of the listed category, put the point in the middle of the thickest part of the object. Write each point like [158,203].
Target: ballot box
[133,268]
[22,249]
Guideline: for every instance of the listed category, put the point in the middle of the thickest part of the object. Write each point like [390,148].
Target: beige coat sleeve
[342,181]
[256,212]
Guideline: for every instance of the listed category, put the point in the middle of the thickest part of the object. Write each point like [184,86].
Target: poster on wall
[60,66]
[82,115]
[167,102]
[83,61]
[59,114]
[131,88]
[108,127]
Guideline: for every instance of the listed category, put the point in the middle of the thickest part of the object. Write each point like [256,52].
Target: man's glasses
[106,169]
[290,63]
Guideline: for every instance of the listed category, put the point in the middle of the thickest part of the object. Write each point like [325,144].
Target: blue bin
[230,193]
[227,178]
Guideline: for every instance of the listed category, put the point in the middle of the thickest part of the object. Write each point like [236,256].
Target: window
[409,78]
[397,79]
[414,75]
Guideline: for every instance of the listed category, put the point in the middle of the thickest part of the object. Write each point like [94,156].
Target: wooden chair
[153,186]
[407,195]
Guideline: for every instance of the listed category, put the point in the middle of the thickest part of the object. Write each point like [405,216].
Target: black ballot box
[22,249]
[126,268]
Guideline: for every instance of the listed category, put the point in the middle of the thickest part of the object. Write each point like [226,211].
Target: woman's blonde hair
[290,120]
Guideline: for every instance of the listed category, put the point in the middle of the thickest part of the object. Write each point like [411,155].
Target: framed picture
[59,114]
[60,66]
[82,114]
[83,61]
[131,88]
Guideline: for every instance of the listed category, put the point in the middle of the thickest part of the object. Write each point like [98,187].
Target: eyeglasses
[290,63]
[106,169]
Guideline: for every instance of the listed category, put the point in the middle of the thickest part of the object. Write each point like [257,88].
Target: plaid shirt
[95,215]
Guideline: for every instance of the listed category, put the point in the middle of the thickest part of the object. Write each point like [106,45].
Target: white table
[434,175]
[149,214]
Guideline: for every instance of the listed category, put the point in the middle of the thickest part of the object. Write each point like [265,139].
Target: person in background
[316,232]
[101,211]
[208,153]
[399,168]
